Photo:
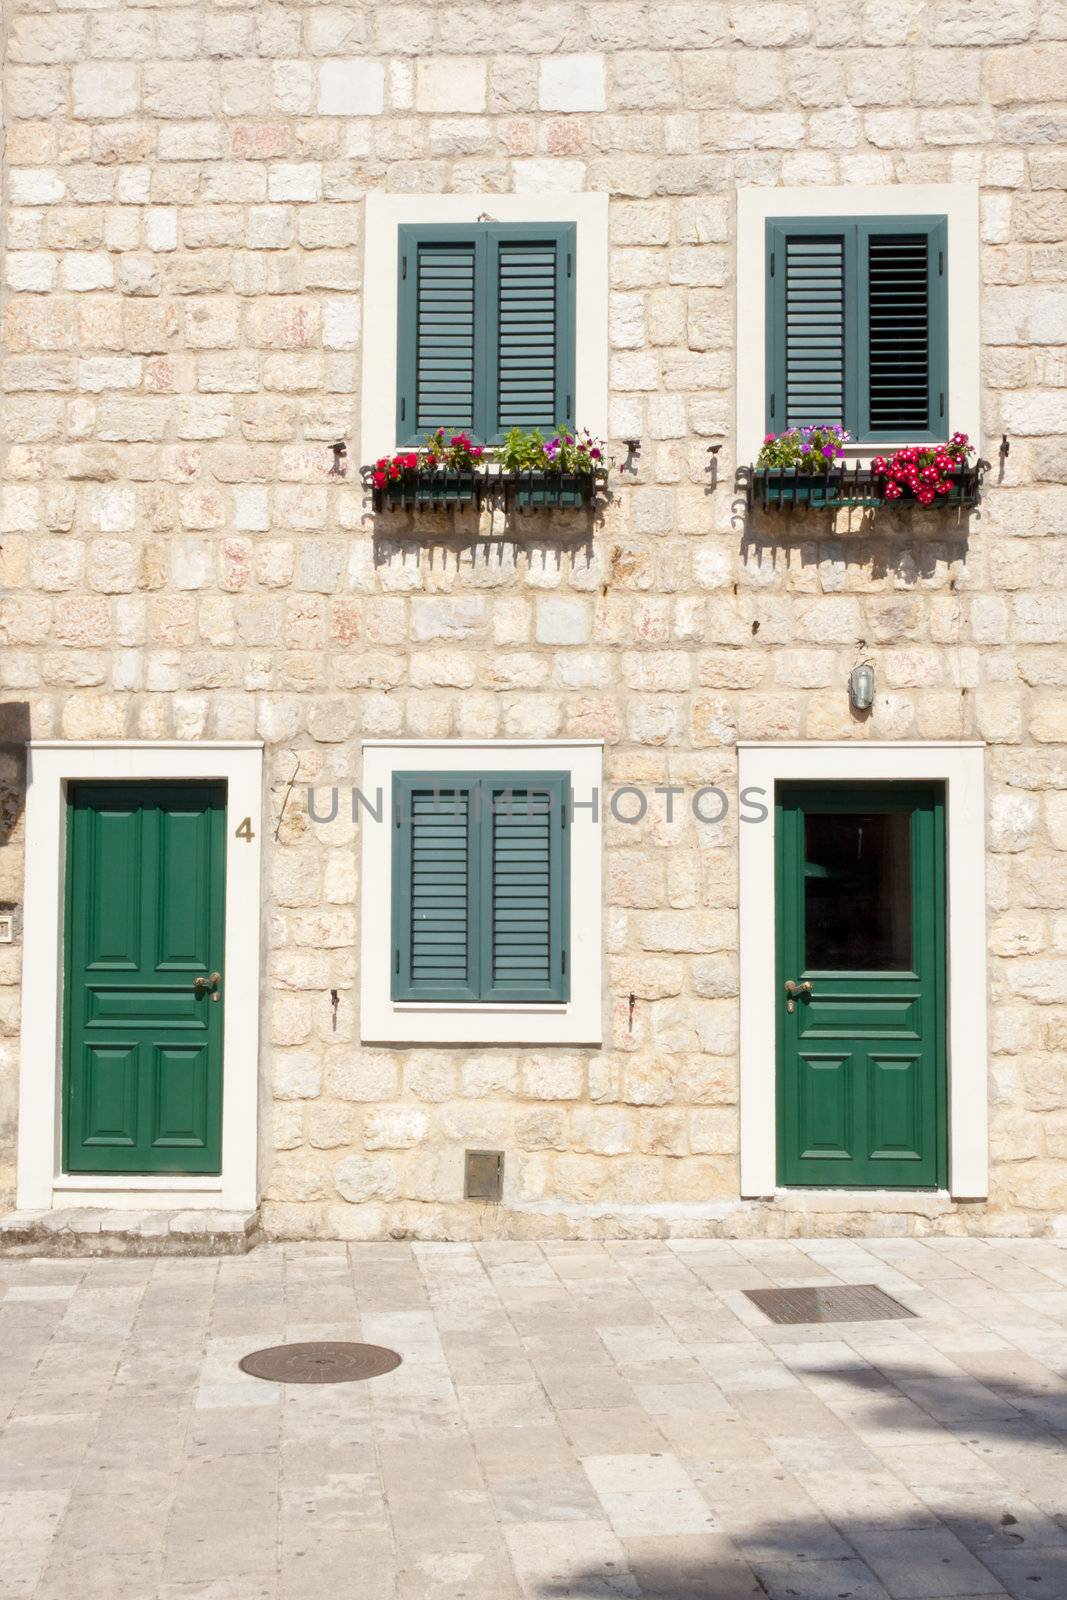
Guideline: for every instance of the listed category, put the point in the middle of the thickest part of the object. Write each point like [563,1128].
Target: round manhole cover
[327,1361]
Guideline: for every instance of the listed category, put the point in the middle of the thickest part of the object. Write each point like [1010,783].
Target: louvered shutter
[809,310]
[485,337]
[814,330]
[441,283]
[480,875]
[435,887]
[903,328]
[531,327]
[523,855]
[857,326]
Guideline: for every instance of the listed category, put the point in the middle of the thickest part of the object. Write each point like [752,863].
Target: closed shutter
[434,886]
[486,329]
[903,310]
[857,330]
[524,852]
[531,327]
[480,877]
[814,331]
[445,337]
[527,305]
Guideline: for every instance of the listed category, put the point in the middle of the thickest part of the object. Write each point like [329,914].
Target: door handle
[793,989]
[202,986]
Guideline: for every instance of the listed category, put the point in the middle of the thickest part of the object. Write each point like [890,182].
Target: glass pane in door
[857,891]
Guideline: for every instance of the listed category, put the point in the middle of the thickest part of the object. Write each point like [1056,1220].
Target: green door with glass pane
[143,1002]
[860,990]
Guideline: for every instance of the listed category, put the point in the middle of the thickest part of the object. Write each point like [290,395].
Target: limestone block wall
[184,189]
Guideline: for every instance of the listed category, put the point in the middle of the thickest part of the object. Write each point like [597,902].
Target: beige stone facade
[184,255]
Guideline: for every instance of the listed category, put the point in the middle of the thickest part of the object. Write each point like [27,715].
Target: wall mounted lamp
[861,687]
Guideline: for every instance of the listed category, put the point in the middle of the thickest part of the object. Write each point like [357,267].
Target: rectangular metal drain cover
[860,1302]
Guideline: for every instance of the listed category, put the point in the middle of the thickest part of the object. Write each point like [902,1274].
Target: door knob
[792,989]
[202,986]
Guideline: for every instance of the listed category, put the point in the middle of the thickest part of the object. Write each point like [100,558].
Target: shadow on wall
[546,542]
[884,543]
[14,739]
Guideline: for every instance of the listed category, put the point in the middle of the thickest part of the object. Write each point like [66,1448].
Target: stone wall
[184,189]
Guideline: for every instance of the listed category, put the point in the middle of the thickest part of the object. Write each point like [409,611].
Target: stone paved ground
[569,1420]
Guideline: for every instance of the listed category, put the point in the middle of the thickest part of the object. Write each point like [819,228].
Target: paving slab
[568,1422]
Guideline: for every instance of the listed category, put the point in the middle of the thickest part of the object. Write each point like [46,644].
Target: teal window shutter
[524,888]
[440,330]
[903,315]
[486,328]
[809,272]
[435,888]
[480,887]
[857,326]
[531,326]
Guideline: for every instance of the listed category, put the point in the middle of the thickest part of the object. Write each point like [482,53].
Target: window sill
[483,1008]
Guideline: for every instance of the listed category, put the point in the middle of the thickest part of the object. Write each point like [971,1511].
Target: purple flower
[595,453]
[805,449]
[828,451]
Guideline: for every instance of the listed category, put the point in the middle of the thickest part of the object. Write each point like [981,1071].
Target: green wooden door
[144,921]
[861,919]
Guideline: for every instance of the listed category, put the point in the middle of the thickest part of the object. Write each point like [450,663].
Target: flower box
[547,491]
[430,491]
[785,488]
[964,489]
[526,473]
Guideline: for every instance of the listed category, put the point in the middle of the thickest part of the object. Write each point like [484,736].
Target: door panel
[185,889]
[182,1097]
[144,918]
[824,1094]
[895,1108]
[113,890]
[861,920]
[109,1095]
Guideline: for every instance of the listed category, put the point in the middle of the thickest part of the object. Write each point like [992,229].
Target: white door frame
[52,764]
[961,767]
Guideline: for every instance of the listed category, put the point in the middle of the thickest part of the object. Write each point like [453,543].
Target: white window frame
[384,215]
[52,765]
[961,767]
[956,201]
[578,1020]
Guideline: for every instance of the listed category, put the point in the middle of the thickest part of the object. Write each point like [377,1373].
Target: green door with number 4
[860,990]
[144,1003]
